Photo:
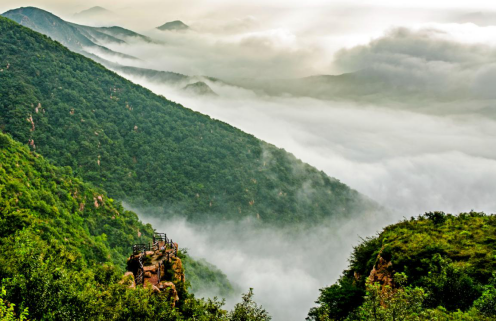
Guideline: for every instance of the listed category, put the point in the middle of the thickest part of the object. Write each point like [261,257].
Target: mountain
[90,42]
[199,88]
[79,38]
[173,26]
[94,13]
[435,267]
[122,33]
[150,152]
[166,77]
[64,244]
[174,79]
[360,85]
[365,85]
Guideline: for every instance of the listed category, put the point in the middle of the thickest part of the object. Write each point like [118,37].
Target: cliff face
[157,266]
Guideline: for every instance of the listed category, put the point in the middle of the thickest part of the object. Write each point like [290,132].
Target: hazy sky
[310,30]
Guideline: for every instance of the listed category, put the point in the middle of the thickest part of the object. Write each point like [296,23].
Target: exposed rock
[171,288]
[177,267]
[128,278]
[382,272]
[157,266]
[155,289]
[151,268]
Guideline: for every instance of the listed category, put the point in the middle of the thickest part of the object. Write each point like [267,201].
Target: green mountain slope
[36,195]
[421,269]
[63,243]
[149,151]
[78,38]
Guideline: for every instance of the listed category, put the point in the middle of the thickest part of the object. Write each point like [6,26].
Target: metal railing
[168,246]
[140,248]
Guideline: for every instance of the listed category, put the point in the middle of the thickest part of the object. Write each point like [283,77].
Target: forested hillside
[63,243]
[147,150]
[434,267]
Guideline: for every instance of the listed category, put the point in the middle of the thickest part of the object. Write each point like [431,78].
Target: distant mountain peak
[199,88]
[93,10]
[174,25]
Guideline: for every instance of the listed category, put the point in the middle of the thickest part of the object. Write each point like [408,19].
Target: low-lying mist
[286,268]
[408,161]
[414,153]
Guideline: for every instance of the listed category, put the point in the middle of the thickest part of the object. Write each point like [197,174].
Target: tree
[248,310]
[386,303]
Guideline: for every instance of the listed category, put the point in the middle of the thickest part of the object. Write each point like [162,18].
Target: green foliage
[337,301]
[436,217]
[205,278]
[450,259]
[63,243]
[450,287]
[60,208]
[389,304]
[7,310]
[486,304]
[248,310]
[149,151]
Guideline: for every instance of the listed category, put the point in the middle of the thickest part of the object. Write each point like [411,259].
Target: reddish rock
[382,272]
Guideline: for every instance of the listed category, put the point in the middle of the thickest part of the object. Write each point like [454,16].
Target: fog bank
[286,269]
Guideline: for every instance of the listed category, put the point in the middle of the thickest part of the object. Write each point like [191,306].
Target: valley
[278,170]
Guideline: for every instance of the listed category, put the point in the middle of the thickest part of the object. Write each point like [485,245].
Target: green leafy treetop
[248,310]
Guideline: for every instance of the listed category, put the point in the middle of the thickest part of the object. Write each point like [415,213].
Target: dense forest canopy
[64,244]
[149,151]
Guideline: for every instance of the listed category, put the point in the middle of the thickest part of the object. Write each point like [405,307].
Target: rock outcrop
[382,272]
[156,266]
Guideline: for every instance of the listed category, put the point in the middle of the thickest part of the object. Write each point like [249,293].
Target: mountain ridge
[151,152]
[76,37]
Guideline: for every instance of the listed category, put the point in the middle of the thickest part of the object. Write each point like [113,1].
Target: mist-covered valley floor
[285,267]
